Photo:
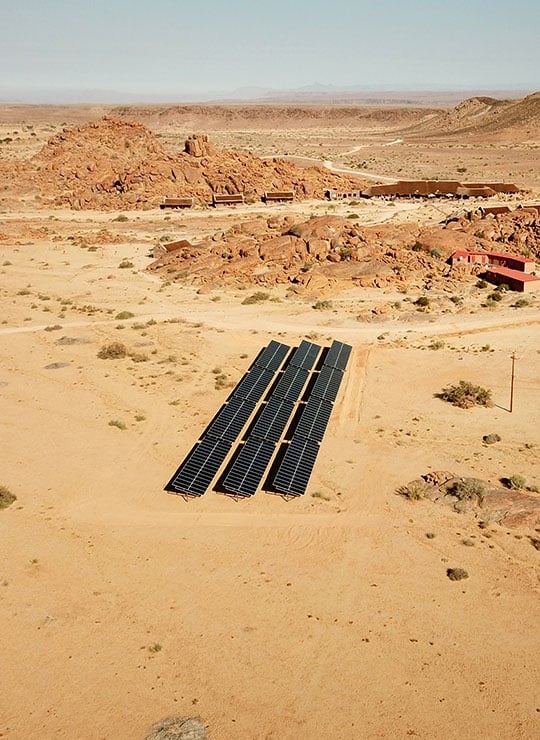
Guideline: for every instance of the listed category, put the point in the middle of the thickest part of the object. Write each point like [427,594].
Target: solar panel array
[244,475]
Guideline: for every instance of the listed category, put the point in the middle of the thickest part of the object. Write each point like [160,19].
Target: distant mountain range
[315,93]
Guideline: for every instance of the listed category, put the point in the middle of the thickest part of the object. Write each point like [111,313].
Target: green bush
[322,305]
[258,297]
[113,351]
[6,497]
[515,481]
[468,489]
[490,439]
[465,395]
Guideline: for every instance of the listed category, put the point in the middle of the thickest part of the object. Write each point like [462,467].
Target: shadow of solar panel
[291,384]
[272,356]
[314,419]
[200,467]
[305,355]
[253,385]
[338,355]
[293,474]
[327,384]
[273,419]
[231,419]
[249,467]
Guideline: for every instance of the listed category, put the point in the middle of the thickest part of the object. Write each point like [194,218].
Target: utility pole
[512,382]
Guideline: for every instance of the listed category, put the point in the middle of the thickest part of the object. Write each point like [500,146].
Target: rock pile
[328,250]
[114,164]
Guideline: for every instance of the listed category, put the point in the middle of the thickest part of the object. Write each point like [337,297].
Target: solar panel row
[247,471]
[294,472]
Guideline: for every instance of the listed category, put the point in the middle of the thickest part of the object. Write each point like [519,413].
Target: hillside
[484,115]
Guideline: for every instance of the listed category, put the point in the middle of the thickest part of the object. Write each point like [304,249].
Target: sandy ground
[330,616]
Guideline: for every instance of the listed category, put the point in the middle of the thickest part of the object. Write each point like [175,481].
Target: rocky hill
[114,163]
[335,252]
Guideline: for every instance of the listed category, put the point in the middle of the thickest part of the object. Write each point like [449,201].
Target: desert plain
[327,616]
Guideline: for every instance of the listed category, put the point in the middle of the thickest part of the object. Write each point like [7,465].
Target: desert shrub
[178,728]
[258,297]
[121,218]
[414,490]
[495,296]
[490,439]
[6,497]
[465,395]
[481,283]
[124,315]
[435,253]
[479,234]
[430,535]
[353,215]
[139,356]
[322,305]
[520,303]
[456,574]
[319,494]
[456,299]
[515,481]
[422,301]
[437,344]
[125,264]
[113,351]
[117,424]
[468,489]
[53,327]
[417,247]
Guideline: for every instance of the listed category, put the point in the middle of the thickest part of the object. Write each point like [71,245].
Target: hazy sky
[169,48]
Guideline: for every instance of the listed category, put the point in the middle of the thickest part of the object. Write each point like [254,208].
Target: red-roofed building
[523,282]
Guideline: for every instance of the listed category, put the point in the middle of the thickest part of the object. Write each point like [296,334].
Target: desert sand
[330,616]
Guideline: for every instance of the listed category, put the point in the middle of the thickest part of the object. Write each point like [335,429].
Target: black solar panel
[327,384]
[338,355]
[273,419]
[305,355]
[254,384]
[291,384]
[249,467]
[314,419]
[272,356]
[199,468]
[231,419]
[295,470]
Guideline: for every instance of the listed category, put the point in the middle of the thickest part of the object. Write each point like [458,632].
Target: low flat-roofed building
[522,282]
